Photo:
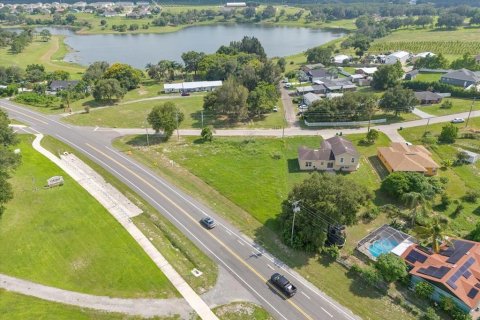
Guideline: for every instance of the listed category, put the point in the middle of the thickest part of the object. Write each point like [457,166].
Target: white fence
[342,124]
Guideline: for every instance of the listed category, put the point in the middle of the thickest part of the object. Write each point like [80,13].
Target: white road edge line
[270,267]
[306,296]
[331,316]
[176,220]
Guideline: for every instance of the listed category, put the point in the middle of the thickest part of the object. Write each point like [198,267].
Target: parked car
[283,284]
[208,222]
[275,109]
[185,94]
[288,85]
[458,120]
[303,107]
[408,143]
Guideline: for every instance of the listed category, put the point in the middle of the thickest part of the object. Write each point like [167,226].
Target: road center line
[331,316]
[306,296]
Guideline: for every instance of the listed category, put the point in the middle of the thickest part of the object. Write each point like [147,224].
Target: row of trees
[440,62]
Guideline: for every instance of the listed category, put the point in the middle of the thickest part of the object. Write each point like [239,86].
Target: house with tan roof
[336,153]
[407,158]
[454,272]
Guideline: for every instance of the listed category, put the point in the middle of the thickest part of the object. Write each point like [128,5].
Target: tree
[372,136]
[423,21]
[166,117]
[398,100]
[207,134]
[424,290]
[391,267]
[416,202]
[58,75]
[449,133]
[35,73]
[230,99]
[107,89]
[127,76]
[95,71]
[387,76]
[191,60]
[269,12]
[249,12]
[9,160]
[262,99]
[430,314]
[432,62]
[45,35]
[281,63]
[323,197]
[435,231]
[467,62]
[450,20]
[396,184]
[320,54]
[361,44]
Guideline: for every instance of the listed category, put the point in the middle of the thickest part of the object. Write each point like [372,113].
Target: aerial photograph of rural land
[257,160]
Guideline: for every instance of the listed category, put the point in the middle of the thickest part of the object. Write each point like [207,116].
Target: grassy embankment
[252,202]
[171,242]
[15,306]
[48,53]
[241,311]
[64,238]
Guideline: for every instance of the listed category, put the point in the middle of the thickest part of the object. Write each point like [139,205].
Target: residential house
[310,98]
[336,153]
[411,75]
[341,58]
[320,74]
[428,97]
[364,82]
[366,71]
[59,85]
[355,78]
[454,272]
[337,85]
[304,90]
[423,55]
[400,157]
[309,67]
[401,56]
[194,86]
[462,78]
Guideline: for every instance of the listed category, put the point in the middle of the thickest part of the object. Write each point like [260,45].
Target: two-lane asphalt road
[246,261]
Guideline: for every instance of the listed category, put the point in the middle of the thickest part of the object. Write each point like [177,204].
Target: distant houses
[195,86]
[336,154]
[400,157]
[401,56]
[428,97]
[59,85]
[462,78]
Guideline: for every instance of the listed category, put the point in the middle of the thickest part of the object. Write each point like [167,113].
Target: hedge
[457,92]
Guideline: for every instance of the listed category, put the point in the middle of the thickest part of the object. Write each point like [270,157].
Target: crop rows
[444,47]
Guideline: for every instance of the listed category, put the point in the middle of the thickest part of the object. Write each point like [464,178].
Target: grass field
[428,77]
[15,306]
[451,43]
[461,178]
[252,172]
[459,105]
[48,53]
[241,311]
[182,254]
[133,115]
[64,238]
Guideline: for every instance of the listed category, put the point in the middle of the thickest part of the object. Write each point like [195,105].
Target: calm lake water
[140,49]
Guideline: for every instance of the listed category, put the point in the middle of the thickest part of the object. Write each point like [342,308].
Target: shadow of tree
[360,288]
[141,140]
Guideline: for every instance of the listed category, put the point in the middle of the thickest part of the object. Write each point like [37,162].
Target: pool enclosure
[383,240]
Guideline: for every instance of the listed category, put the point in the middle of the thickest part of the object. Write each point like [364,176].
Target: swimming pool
[382,246]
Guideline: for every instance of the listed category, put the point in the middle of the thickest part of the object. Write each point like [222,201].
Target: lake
[140,49]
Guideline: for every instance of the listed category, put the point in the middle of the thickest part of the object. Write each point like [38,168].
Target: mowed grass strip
[62,237]
[459,106]
[14,306]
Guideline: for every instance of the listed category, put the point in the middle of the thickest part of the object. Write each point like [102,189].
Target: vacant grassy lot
[451,43]
[133,115]
[15,306]
[182,254]
[251,173]
[461,178]
[64,238]
[459,105]
[48,53]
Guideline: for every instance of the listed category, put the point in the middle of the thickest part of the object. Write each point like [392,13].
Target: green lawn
[451,43]
[461,178]
[260,182]
[428,77]
[133,115]
[459,105]
[48,53]
[64,238]
[182,254]
[15,306]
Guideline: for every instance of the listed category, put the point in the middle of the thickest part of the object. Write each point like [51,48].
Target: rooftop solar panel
[451,284]
[460,248]
[472,293]
[434,271]
[415,256]
[477,285]
[467,274]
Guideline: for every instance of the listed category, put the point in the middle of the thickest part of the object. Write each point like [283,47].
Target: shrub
[424,290]
[277,155]
[445,200]
[446,105]
[449,133]
[391,267]
[440,87]
[462,158]
[370,276]
[332,252]
[87,109]
[36,99]
[397,184]
[207,134]
[458,210]
[371,214]
[471,196]
[430,314]
[444,180]
[447,163]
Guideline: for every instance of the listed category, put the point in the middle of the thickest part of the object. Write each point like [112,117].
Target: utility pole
[176,119]
[424,132]
[470,112]
[296,209]
[146,131]
[201,113]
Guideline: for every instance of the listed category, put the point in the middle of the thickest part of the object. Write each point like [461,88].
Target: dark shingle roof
[427,95]
[60,84]
[329,148]
[463,75]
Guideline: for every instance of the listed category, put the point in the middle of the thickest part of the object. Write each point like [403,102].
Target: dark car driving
[283,284]
[208,222]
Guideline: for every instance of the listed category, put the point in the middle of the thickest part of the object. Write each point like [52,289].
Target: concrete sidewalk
[193,299]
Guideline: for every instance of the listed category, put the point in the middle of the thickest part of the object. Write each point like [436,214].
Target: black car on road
[283,284]
[208,222]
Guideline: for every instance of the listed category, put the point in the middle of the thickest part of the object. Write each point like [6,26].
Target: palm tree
[416,203]
[435,230]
